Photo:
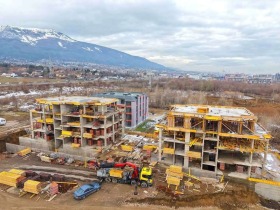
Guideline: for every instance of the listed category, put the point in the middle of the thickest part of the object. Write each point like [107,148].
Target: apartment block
[136,106]
[225,140]
[76,122]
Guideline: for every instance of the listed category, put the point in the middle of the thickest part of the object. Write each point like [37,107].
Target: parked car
[2,121]
[86,190]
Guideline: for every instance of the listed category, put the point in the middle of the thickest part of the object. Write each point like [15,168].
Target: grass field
[147,126]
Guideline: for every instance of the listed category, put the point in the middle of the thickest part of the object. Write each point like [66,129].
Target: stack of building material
[32,186]
[58,177]
[49,120]
[127,148]
[24,152]
[88,135]
[45,176]
[35,178]
[21,183]
[17,171]
[174,175]
[90,142]
[149,147]
[45,159]
[53,188]
[169,151]
[10,179]
[75,145]
[30,173]
[193,154]
[74,123]
[240,169]
[222,166]
[67,133]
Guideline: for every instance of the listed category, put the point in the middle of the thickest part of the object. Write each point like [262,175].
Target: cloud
[204,35]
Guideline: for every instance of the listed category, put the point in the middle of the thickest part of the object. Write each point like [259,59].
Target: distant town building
[136,106]
[261,79]
[236,77]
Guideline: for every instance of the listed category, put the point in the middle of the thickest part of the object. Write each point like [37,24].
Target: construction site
[219,139]
[199,156]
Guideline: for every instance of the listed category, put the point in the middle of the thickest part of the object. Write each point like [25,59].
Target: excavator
[125,173]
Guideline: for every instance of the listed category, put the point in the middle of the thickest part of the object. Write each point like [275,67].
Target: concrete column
[264,158]
[174,147]
[105,132]
[84,109]
[123,122]
[113,127]
[174,153]
[159,144]
[187,148]
[44,120]
[102,110]
[202,150]
[251,158]
[31,124]
[240,126]
[217,154]
[82,131]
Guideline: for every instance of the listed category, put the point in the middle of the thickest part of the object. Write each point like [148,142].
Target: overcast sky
[231,36]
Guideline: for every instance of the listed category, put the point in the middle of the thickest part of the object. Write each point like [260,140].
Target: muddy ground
[121,196]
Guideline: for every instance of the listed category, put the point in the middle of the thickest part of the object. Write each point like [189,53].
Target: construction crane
[125,173]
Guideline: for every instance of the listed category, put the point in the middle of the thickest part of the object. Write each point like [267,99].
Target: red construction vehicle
[128,173]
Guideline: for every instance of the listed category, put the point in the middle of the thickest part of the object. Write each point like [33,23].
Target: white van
[2,121]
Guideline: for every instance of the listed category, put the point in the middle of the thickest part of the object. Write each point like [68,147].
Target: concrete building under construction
[75,123]
[225,140]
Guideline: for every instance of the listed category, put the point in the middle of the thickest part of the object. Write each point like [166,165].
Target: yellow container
[74,123]
[87,135]
[32,186]
[75,145]
[173,180]
[10,179]
[173,174]
[168,151]
[116,173]
[127,148]
[149,147]
[24,152]
[202,110]
[17,171]
[176,169]
[194,154]
[40,121]
[67,133]
[49,120]
[213,118]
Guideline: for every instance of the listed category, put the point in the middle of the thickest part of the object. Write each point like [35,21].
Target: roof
[212,110]
[77,100]
[127,96]
[85,187]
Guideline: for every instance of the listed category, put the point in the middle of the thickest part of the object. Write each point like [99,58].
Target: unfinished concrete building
[225,140]
[71,124]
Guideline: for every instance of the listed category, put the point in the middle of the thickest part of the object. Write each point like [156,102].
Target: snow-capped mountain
[32,44]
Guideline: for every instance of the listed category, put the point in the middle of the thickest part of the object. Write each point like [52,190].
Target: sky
[192,35]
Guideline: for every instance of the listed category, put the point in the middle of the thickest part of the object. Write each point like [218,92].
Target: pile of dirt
[270,204]
[225,200]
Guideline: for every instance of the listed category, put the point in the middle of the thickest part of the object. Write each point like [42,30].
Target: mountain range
[35,45]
